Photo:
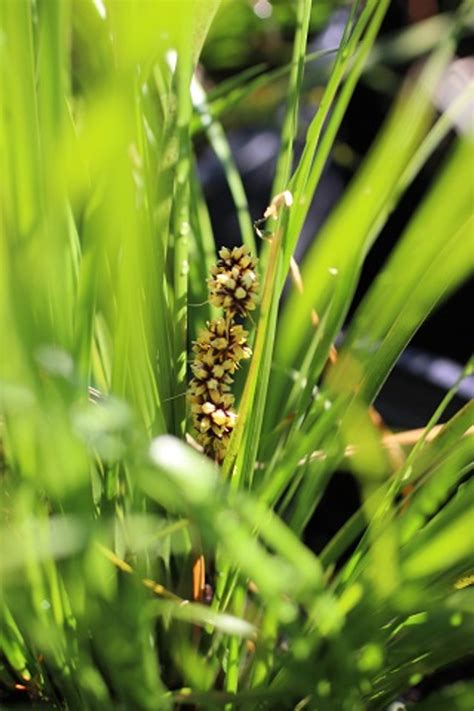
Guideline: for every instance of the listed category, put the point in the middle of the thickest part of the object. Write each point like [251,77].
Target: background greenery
[105,247]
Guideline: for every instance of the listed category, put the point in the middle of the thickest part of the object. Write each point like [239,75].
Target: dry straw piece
[219,349]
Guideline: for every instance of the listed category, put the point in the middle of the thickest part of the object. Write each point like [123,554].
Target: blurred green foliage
[245,32]
[105,242]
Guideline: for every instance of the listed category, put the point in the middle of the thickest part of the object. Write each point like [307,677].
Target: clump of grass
[105,240]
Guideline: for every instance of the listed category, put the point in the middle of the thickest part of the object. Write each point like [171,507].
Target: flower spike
[219,349]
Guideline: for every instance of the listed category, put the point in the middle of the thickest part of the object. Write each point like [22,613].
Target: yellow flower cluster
[219,349]
[233,284]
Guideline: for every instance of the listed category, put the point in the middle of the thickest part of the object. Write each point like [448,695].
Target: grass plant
[136,572]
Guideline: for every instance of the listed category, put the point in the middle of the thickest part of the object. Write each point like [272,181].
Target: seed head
[233,285]
[219,349]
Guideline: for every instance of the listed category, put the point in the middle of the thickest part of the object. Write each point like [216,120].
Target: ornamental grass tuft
[137,573]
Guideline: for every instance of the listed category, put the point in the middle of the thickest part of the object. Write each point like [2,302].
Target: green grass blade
[315,153]
[202,257]
[331,267]
[425,460]
[234,91]
[431,271]
[290,123]
[246,436]
[445,543]
[217,138]
[181,229]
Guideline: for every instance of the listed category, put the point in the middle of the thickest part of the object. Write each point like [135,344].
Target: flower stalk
[219,349]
